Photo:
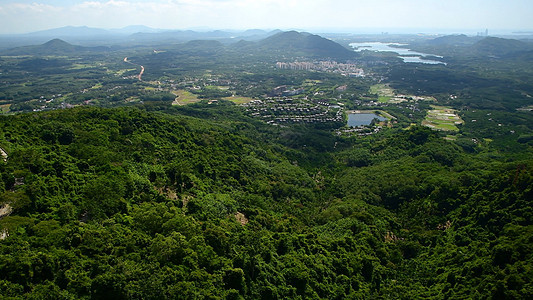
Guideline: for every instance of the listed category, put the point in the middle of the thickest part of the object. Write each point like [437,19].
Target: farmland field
[184,97]
[384,92]
[442,118]
[239,100]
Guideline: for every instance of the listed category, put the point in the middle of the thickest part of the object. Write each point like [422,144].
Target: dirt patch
[391,237]
[241,218]
[3,153]
[5,210]
[4,234]
[169,193]
[185,200]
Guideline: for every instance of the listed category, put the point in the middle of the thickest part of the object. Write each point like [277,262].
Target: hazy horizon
[365,16]
[348,31]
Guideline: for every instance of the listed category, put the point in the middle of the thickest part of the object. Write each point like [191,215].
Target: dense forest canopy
[219,175]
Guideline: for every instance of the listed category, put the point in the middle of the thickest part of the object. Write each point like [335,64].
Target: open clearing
[526,108]
[387,95]
[122,71]
[310,82]
[222,88]
[4,108]
[184,97]
[384,92]
[82,66]
[442,118]
[238,100]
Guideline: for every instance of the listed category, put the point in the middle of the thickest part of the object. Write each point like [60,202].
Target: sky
[395,16]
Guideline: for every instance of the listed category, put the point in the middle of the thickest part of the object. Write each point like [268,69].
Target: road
[141,74]
[142,68]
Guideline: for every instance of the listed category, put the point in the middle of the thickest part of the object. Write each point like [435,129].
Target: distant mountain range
[70,31]
[476,46]
[84,31]
[290,43]
[129,36]
[53,47]
[277,42]
[455,40]
[499,47]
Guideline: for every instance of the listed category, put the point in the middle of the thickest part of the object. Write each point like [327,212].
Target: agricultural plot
[123,71]
[311,82]
[239,100]
[442,118]
[385,93]
[80,67]
[4,108]
[184,97]
[526,108]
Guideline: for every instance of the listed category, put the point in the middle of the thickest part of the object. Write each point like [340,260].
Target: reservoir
[407,55]
[355,120]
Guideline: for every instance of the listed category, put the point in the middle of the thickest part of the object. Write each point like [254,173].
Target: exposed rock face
[4,234]
[241,218]
[5,210]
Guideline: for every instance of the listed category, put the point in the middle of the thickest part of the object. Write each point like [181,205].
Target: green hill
[305,44]
[53,47]
[454,40]
[499,46]
[203,202]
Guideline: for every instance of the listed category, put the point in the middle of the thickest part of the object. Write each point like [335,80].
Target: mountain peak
[70,31]
[500,46]
[57,43]
[306,44]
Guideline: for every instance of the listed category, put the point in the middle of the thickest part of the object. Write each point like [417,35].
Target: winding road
[142,68]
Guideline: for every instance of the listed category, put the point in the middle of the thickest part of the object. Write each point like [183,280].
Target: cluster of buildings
[345,69]
[276,111]
[284,91]
[359,130]
[405,98]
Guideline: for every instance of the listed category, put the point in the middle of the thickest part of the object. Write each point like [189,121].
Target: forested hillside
[202,201]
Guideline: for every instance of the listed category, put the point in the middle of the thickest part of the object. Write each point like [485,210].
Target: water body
[407,55]
[355,120]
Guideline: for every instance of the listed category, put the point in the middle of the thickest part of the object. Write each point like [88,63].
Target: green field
[384,99]
[121,72]
[442,118]
[384,92]
[239,100]
[4,108]
[184,97]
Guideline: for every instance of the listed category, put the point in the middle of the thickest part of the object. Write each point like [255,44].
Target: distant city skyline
[394,16]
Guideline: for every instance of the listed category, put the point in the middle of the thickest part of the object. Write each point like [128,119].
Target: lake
[355,120]
[407,55]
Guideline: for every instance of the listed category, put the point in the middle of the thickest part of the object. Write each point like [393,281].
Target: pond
[355,120]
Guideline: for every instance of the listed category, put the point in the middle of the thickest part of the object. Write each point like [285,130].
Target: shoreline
[376,111]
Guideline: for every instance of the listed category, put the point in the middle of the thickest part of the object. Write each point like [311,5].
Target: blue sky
[313,15]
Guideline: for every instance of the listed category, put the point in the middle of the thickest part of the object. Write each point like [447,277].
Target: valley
[238,169]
